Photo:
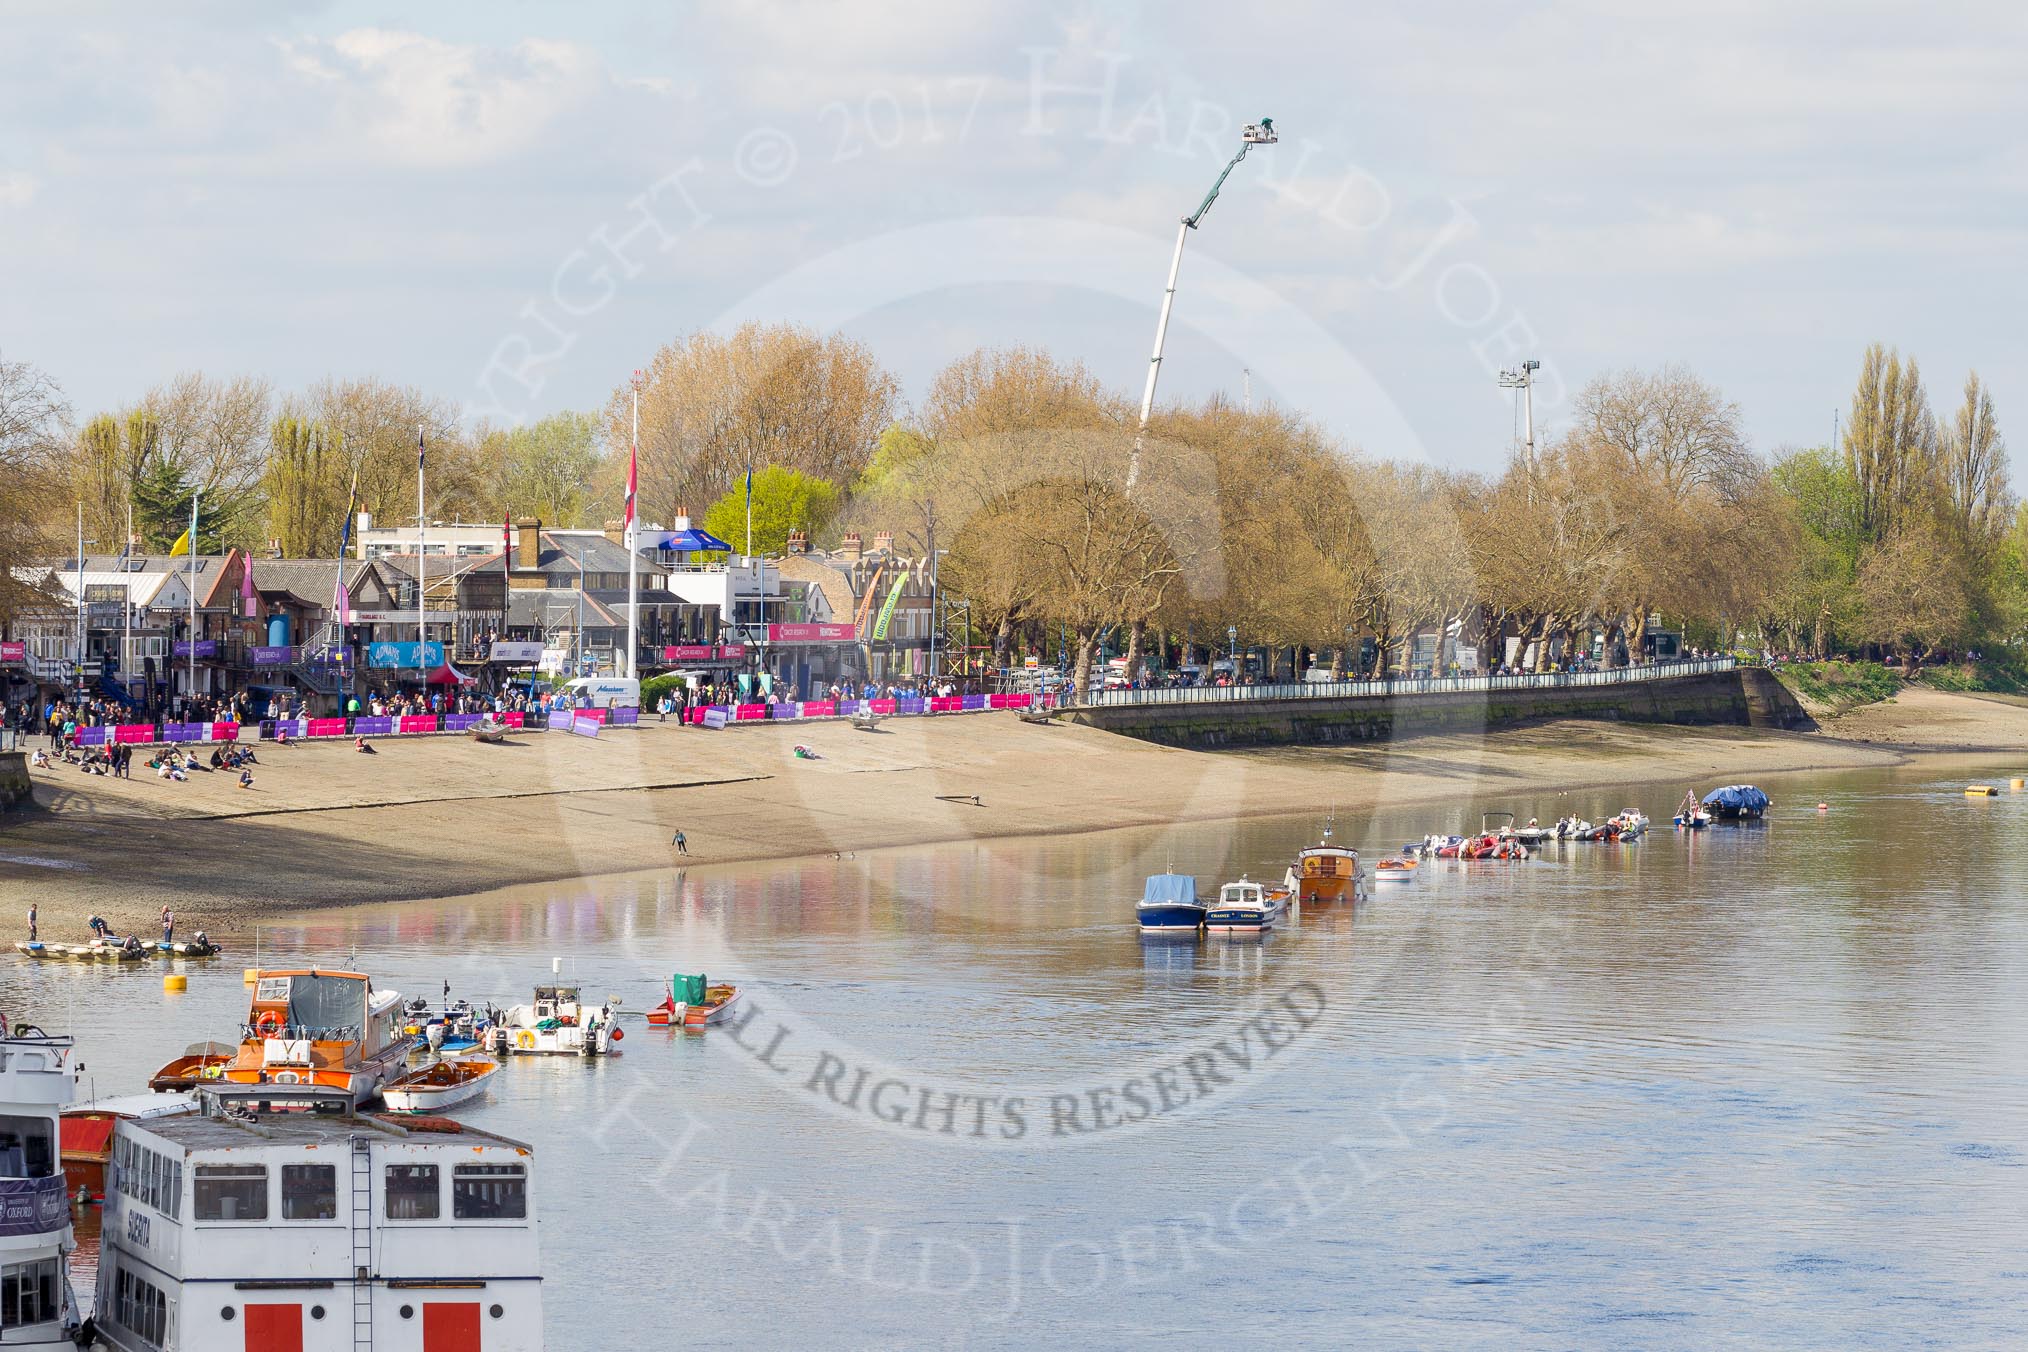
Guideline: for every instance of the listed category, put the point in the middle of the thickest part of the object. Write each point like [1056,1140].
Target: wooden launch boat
[1327,872]
[200,1061]
[1394,870]
[692,1002]
[439,1085]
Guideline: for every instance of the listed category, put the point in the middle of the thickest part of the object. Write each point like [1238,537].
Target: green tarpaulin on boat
[689,990]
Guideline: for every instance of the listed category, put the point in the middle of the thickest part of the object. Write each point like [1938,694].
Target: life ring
[269,1023]
[525,1040]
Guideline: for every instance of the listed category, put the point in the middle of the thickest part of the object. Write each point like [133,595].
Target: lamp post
[1260,133]
[1522,378]
[1232,637]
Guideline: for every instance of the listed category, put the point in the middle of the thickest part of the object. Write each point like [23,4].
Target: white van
[604,692]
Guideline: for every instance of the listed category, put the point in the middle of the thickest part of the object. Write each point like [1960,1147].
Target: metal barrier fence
[1429,685]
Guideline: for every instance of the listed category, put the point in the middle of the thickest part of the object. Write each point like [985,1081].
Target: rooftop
[196,1132]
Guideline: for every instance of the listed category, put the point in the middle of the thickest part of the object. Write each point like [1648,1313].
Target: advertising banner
[512,720]
[515,652]
[461,722]
[820,708]
[13,651]
[562,720]
[33,1206]
[908,706]
[325,727]
[134,732]
[887,607]
[713,717]
[782,711]
[294,727]
[811,633]
[91,736]
[971,702]
[687,652]
[732,652]
[206,647]
[623,718]
[881,706]
[183,732]
[747,713]
[591,716]
[585,727]
[946,704]
[266,656]
[417,723]
[402,654]
[373,727]
[225,732]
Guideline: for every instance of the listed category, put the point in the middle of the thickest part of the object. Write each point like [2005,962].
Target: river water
[1765,1085]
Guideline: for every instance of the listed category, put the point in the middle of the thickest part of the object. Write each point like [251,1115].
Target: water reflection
[1739,1085]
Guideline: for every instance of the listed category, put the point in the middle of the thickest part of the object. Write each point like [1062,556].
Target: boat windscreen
[327,1003]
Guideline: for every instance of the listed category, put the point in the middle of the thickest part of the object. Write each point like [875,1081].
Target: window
[309,1192]
[146,1176]
[412,1192]
[28,1293]
[489,1192]
[140,1307]
[232,1192]
[27,1147]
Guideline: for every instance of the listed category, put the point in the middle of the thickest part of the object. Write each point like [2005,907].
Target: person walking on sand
[168,924]
[681,842]
[31,922]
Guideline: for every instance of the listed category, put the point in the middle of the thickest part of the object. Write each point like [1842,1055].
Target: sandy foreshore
[434,817]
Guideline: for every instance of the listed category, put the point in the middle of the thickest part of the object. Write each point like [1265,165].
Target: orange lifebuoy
[268,1023]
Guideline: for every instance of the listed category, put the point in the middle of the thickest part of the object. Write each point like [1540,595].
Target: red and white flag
[633,480]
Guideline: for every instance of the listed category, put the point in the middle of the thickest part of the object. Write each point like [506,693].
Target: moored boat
[1395,870]
[200,1061]
[439,1085]
[1327,872]
[1737,802]
[329,1029]
[1243,907]
[37,1076]
[693,1002]
[1169,905]
[557,1023]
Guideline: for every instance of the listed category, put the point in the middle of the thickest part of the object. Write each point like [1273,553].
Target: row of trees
[1904,536]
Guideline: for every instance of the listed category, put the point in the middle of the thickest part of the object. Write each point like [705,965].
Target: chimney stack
[883,542]
[850,547]
[528,549]
[799,542]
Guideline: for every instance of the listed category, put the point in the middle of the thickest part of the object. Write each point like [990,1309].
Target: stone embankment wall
[1744,698]
[15,787]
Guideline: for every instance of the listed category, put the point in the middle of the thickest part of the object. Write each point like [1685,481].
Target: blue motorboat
[1736,802]
[1169,905]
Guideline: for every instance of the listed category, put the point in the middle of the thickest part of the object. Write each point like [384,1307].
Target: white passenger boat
[37,1078]
[557,1023]
[439,1085]
[230,1229]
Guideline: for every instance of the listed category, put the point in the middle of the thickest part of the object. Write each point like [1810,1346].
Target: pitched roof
[309,582]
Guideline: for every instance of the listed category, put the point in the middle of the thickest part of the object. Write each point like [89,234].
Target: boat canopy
[1170,889]
[1737,798]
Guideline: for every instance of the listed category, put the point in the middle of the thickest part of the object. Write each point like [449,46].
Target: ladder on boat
[362,1244]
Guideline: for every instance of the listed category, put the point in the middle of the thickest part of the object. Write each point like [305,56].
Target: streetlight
[1232,637]
[1260,133]
[1522,378]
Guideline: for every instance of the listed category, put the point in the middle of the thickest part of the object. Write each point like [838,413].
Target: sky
[513,205]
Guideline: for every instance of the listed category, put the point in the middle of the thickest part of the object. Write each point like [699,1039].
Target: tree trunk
[1080,685]
[1003,635]
[1136,634]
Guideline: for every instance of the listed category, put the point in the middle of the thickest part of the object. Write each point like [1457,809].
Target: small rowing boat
[201,1061]
[1394,870]
[439,1085]
[692,1002]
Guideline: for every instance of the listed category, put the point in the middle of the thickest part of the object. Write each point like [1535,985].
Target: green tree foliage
[162,497]
[554,470]
[784,499]
[305,501]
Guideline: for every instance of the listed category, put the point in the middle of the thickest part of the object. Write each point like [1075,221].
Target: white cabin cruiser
[1244,908]
[558,1023]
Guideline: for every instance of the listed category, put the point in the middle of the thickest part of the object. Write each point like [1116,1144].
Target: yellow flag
[182,545]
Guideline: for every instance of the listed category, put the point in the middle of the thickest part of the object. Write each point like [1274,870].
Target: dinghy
[439,1085]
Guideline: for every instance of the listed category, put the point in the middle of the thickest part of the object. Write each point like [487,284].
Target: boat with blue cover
[1737,802]
[1169,905]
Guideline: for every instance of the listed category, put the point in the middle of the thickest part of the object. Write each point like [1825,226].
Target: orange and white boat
[1327,872]
[693,1002]
[1394,870]
[327,1029]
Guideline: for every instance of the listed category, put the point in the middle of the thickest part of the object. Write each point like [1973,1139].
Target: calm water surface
[1763,1086]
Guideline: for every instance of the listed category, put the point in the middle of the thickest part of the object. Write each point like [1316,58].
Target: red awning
[449,675]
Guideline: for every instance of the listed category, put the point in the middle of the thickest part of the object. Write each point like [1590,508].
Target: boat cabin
[310,1231]
[324,1028]
[37,1077]
[556,1002]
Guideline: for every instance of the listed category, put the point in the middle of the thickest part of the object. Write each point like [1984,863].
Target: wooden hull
[187,1072]
[439,1086]
[718,1002]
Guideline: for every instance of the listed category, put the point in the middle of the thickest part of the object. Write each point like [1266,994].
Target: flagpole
[193,604]
[127,606]
[633,554]
[422,567]
[80,599]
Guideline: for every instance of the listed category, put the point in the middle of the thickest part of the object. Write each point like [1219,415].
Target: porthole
[316,1312]
[227,1314]
[408,1312]
[496,1311]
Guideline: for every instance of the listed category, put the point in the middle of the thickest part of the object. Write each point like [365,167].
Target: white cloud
[18,189]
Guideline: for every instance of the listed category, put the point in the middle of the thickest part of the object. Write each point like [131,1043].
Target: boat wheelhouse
[557,1023]
[1327,872]
[36,1079]
[228,1229]
[330,1029]
[1243,908]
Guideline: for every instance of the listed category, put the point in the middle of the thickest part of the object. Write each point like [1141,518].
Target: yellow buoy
[1981,791]
[2017,784]
[175,981]
[251,975]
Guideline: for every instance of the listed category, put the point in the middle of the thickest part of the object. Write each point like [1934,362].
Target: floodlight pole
[1255,134]
[1522,378]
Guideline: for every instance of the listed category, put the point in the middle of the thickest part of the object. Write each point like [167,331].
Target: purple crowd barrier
[90,736]
[584,727]
[184,732]
[382,726]
[781,712]
[461,722]
[623,718]
[969,703]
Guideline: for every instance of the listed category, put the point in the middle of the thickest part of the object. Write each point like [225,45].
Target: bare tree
[1890,440]
[34,425]
[1670,425]
[1973,466]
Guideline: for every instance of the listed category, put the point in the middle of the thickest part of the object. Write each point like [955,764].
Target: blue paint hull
[1170,916]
